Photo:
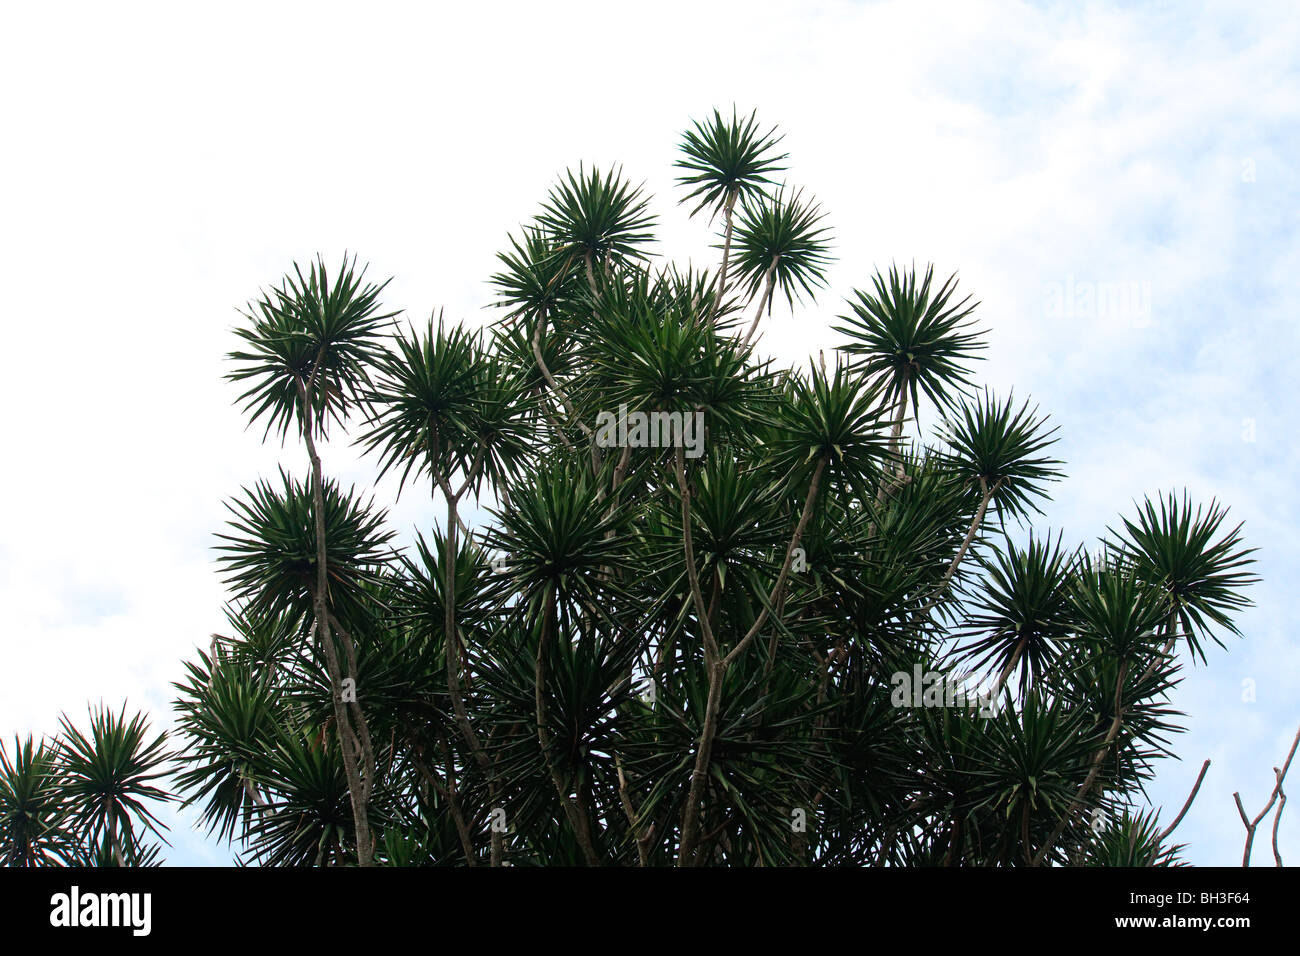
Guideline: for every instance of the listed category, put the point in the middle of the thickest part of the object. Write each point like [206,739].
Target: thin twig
[1277,790]
[1277,819]
[1186,806]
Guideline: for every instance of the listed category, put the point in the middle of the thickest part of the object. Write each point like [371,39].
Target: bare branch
[1186,806]
[1277,791]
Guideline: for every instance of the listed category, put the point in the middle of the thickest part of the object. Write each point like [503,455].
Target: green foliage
[781,235]
[913,337]
[107,777]
[85,797]
[1134,839]
[601,221]
[309,347]
[32,807]
[641,657]
[632,655]
[1000,448]
[270,558]
[726,160]
[1021,613]
[1198,567]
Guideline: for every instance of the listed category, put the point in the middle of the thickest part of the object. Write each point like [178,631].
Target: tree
[83,798]
[707,610]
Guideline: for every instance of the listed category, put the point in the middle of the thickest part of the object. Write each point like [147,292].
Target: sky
[1116,185]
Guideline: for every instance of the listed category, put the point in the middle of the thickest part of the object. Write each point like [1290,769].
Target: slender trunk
[1011,666]
[629,810]
[720,289]
[1170,637]
[362,727]
[577,818]
[451,631]
[955,838]
[711,652]
[546,372]
[965,545]
[1024,832]
[112,838]
[1164,834]
[778,590]
[448,793]
[703,753]
[452,653]
[896,439]
[620,472]
[610,573]
[1279,775]
[1093,771]
[766,297]
[320,599]
[563,397]
[253,794]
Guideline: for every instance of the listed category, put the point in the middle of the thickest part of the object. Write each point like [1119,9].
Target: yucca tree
[1131,840]
[1021,617]
[108,776]
[310,345]
[913,337]
[680,605]
[781,246]
[33,809]
[85,797]
[726,161]
[599,221]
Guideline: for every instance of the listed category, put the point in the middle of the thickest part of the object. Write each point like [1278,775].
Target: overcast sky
[159,164]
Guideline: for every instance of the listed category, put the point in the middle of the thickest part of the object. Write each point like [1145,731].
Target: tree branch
[1164,834]
[1277,790]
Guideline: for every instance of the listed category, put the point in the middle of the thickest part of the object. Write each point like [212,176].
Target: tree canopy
[683,605]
